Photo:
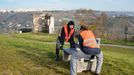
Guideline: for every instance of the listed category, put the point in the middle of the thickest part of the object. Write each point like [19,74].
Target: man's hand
[61,47]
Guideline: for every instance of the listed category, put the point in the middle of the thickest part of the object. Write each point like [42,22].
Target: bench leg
[66,56]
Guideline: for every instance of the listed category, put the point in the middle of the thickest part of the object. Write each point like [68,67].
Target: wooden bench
[82,65]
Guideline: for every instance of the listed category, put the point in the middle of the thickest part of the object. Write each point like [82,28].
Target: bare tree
[101,24]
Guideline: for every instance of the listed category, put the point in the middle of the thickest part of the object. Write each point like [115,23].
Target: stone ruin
[43,23]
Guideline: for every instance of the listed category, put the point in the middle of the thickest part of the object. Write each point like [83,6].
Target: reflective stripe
[89,44]
[67,37]
[66,31]
[89,39]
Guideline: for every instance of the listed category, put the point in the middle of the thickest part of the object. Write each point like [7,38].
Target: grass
[27,54]
[118,61]
[43,37]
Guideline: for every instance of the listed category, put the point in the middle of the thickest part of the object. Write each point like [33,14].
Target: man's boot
[57,57]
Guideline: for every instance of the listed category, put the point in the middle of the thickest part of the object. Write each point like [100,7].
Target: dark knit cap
[70,23]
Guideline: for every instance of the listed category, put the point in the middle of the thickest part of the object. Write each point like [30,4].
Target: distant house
[24,30]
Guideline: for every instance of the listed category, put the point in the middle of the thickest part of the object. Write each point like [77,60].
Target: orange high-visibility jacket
[67,37]
[88,39]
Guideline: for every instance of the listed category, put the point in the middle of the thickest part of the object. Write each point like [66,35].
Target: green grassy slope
[27,54]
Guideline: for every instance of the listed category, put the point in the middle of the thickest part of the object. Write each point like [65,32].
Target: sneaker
[91,60]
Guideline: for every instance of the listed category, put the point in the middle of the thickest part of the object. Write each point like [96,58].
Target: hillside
[108,21]
[30,54]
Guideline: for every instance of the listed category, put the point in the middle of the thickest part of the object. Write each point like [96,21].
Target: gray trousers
[77,55]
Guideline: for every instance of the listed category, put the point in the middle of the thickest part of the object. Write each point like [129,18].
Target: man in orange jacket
[66,34]
[88,47]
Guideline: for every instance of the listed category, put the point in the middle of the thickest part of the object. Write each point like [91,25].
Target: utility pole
[126,32]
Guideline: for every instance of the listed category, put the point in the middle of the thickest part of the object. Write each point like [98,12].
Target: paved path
[132,47]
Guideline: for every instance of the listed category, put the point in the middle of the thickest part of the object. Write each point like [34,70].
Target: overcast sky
[105,5]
